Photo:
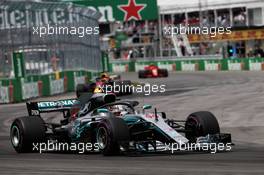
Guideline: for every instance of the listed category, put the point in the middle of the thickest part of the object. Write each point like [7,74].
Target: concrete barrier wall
[56,86]
[244,64]
[29,90]
[79,80]
[17,90]
[4,95]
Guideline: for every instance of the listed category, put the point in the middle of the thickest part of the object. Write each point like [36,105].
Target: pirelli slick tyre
[201,124]
[80,88]
[141,74]
[111,133]
[164,72]
[83,88]
[25,131]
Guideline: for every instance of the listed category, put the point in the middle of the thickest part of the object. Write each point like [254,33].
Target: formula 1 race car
[153,71]
[108,84]
[113,126]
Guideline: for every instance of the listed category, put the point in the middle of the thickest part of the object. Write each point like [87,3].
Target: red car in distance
[152,71]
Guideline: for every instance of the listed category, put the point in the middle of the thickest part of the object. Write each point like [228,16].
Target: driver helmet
[98,90]
[118,111]
[105,77]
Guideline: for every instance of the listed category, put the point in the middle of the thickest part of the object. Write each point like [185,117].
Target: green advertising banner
[19,65]
[105,62]
[122,10]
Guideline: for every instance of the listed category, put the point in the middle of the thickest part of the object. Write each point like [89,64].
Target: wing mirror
[102,110]
[163,115]
[145,107]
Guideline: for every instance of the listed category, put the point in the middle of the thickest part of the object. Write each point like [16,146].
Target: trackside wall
[20,89]
[245,64]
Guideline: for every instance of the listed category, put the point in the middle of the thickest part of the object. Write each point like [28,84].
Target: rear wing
[115,77]
[35,108]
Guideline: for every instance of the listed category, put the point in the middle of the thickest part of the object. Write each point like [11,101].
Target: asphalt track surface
[236,98]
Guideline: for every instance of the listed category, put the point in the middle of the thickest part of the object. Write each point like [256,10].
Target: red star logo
[132,10]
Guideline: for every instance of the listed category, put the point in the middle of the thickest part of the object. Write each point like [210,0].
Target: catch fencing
[55,52]
[32,65]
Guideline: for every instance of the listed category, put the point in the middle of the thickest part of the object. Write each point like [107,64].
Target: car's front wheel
[201,124]
[111,133]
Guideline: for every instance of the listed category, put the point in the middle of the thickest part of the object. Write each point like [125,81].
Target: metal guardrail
[18,19]
[197,57]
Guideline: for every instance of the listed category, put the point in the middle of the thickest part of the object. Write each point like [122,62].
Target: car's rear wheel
[111,133]
[201,124]
[25,131]
[166,73]
[141,74]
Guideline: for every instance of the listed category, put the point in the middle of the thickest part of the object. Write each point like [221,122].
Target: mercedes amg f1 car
[108,84]
[153,71]
[116,126]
